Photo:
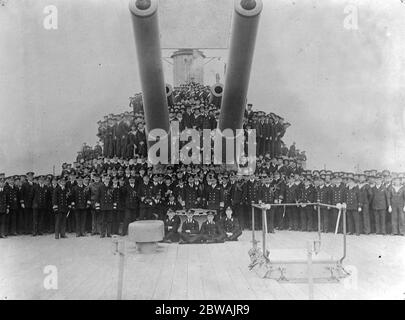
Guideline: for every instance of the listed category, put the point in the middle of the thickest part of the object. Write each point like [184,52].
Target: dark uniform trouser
[60,223]
[270,220]
[3,224]
[333,220]
[89,221]
[398,220]
[95,221]
[51,215]
[238,214]
[80,218]
[70,223]
[353,221]
[128,218]
[234,236]
[292,215]
[190,237]
[388,225]
[365,214]
[372,220]
[38,215]
[173,236]
[278,217]
[325,212]
[379,218]
[144,212]
[106,222]
[116,220]
[20,221]
[213,237]
[246,215]
[306,218]
[12,223]
[27,220]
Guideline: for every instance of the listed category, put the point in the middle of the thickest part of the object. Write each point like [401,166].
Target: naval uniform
[231,226]
[323,195]
[130,192]
[250,194]
[396,199]
[291,196]
[105,203]
[267,196]
[379,204]
[146,205]
[365,196]
[27,197]
[353,204]
[15,209]
[4,211]
[60,205]
[80,204]
[40,206]
[211,232]
[337,193]
[308,216]
[172,229]
[190,232]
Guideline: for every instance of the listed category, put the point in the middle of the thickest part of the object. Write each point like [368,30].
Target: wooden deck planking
[87,269]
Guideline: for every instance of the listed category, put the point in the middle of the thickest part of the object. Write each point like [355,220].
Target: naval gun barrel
[216,92]
[244,30]
[144,14]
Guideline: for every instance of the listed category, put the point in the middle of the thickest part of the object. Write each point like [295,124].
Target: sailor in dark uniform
[190,230]
[60,206]
[80,204]
[4,208]
[230,226]
[211,231]
[172,224]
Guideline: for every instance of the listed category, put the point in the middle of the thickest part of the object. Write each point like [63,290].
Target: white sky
[342,90]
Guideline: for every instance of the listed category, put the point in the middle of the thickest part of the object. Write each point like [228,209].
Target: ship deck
[88,269]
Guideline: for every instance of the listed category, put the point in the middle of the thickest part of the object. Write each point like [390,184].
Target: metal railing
[264,207]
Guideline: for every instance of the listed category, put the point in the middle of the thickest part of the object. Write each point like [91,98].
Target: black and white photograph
[221,151]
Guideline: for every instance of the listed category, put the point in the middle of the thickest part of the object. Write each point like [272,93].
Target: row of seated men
[212,230]
[375,204]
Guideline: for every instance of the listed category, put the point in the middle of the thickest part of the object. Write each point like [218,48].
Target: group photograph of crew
[102,197]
